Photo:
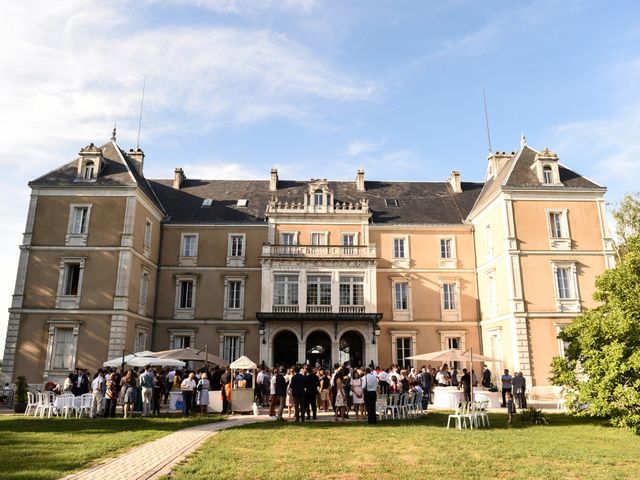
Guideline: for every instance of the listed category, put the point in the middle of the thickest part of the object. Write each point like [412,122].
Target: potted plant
[20,399]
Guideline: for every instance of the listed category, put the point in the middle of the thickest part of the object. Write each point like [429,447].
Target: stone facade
[291,271]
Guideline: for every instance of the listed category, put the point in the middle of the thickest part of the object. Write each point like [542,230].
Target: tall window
[140,344]
[399,248]
[403,350]
[234,299]
[556,222]
[285,290]
[79,224]
[445,248]
[547,175]
[182,341]
[319,290]
[189,245]
[144,292]
[89,168]
[352,290]
[318,238]
[449,300]
[488,240]
[71,279]
[63,349]
[563,281]
[453,343]
[186,294]
[237,245]
[231,348]
[348,239]
[318,196]
[491,291]
[147,233]
[401,296]
[287,239]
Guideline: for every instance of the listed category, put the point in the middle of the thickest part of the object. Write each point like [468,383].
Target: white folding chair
[381,405]
[39,404]
[393,406]
[86,405]
[417,403]
[460,416]
[31,403]
[68,405]
[472,414]
[410,405]
[402,406]
[46,407]
[483,414]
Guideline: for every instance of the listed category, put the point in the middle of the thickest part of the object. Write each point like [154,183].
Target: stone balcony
[338,252]
[351,309]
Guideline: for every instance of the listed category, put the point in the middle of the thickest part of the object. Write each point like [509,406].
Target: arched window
[89,168]
[547,175]
[318,195]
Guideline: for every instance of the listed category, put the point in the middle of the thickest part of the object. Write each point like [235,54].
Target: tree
[601,366]
[627,217]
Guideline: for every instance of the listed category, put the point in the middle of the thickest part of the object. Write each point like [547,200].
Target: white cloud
[609,146]
[359,147]
[240,7]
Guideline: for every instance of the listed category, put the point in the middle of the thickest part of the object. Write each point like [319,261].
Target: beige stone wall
[212,244]
[105,222]
[98,283]
[532,222]
[92,346]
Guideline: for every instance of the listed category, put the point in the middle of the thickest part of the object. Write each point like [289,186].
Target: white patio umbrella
[118,361]
[455,355]
[164,362]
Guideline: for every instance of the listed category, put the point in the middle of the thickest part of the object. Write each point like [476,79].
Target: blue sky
[317,89]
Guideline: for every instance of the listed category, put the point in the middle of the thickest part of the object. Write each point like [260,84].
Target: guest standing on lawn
[146,382]
[506,385]
[519,384]
[370,388]
[466,385]
[130,392]
[297,384]
[187,386]
[158,388]
[358,394]
[203,392]
[341,399]
[280,391]
[311,385]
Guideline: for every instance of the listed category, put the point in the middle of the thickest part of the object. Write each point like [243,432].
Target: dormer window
[546,167]
[87,171]
[317,197]
[89,163]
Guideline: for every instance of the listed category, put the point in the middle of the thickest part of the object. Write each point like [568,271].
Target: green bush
[533,416]
[21,390]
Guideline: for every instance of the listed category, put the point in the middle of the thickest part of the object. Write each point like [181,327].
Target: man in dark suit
[297,385]
[466,385]
[486,377]
[312,386]
[281,391]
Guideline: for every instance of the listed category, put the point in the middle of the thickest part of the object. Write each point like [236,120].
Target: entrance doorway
[352,349]
[285,349]
[318,349]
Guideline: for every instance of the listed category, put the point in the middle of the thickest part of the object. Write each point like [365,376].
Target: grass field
[35,448]
[567,448]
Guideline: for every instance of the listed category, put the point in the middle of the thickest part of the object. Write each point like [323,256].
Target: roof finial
[113,134]
[523,140]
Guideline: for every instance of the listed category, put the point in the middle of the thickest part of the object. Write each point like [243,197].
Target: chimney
[178,178]
[137,157]
[360,180]
[454,181]
[497,160]
[273,182]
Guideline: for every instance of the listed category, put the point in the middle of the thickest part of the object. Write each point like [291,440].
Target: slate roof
[114,173]
[419,202]
[517,173]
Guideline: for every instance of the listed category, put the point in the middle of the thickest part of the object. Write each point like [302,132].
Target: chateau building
[291,271]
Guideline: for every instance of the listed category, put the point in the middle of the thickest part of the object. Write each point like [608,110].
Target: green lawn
[35,448]
[567,448]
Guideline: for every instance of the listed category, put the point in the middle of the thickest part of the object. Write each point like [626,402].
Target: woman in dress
[341,399]
[358,394]
[129,386]
[287,378]
[203,392]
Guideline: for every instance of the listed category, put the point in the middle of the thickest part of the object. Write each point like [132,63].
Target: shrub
[21,390]
[533,416]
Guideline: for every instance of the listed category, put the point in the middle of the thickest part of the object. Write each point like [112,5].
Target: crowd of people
[301,390]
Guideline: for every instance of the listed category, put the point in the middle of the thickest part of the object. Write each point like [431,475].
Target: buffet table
[494,398]
[447,398]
